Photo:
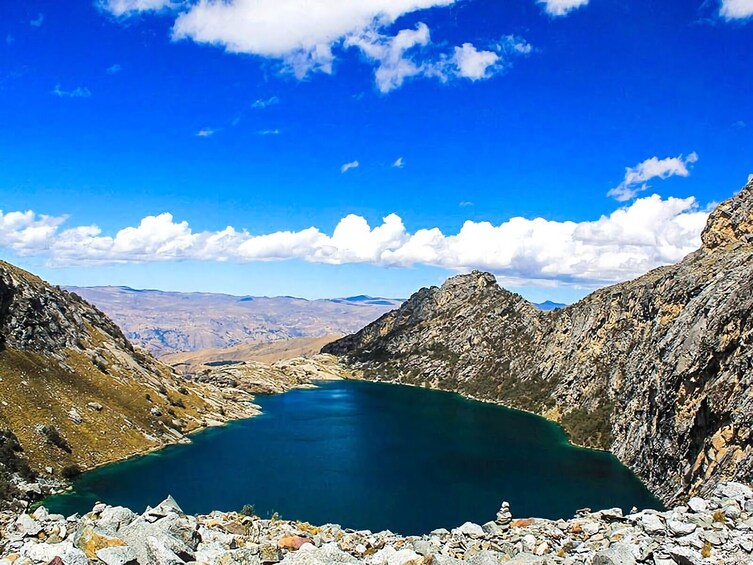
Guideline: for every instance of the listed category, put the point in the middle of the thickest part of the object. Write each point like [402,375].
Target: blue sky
[615,123]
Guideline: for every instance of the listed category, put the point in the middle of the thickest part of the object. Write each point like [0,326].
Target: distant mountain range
[549,305]
[172,322]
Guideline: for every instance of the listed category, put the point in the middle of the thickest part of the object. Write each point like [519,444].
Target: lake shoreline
[402,417]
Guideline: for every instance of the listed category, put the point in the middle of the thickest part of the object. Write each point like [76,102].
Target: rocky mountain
[74,392]
[172,322]
[659,370]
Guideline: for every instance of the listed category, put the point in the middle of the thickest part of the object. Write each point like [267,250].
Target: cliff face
[75,392]
[658,370]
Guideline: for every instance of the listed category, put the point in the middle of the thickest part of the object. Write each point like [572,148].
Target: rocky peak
[731,221]
[35,316]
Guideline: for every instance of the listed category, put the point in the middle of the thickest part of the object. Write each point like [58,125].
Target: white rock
[388,555]
[27,525]
[119,555]
[469,529]
[45,553]
[698,504]
[529,542]
[41,514]
[74,416]
[652,523]
[591,528]
[678,528]
[738,491]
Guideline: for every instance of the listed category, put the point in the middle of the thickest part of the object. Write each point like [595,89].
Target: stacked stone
[504,516]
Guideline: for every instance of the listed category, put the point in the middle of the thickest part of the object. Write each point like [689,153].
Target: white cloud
[306,35]
[38,21]
[78,92]
[636,178]
[262,103]
[205,132]
[26,233]
[275,28]
[626,243]
[472,63]
[348,166]
[736,9]
[407,54]
[399,163]
[389,53]
[129,7]
[561,7]
[114,69]
[269,132]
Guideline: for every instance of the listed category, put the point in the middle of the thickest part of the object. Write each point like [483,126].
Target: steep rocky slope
[172,322]
[74,391]
[659,369]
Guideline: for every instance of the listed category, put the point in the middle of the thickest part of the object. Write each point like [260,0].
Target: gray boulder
[615,555]
[119,555]
[328,554]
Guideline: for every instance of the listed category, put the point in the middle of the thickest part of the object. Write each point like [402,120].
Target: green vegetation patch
[590,428]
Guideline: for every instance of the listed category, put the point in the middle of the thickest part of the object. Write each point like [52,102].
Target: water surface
[375,456]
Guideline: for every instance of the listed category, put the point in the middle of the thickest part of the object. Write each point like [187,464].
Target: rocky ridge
[717,529]
[658,370]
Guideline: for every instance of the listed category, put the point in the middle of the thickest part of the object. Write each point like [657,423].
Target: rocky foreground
[718,529]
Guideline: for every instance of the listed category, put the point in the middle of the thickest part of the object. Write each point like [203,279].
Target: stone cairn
[504,516]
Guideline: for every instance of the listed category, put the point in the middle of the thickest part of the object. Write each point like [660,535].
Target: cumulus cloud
[348,166]
[736,9]
[305,35]
[628,242]
[561,7]
[78,92]
[278,29]
[399,163]
[472,63]
[636,178]
[130,7]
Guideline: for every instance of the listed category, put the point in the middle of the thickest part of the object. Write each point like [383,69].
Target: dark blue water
[374,456]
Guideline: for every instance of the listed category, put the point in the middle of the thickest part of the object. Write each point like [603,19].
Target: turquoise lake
[371,456]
